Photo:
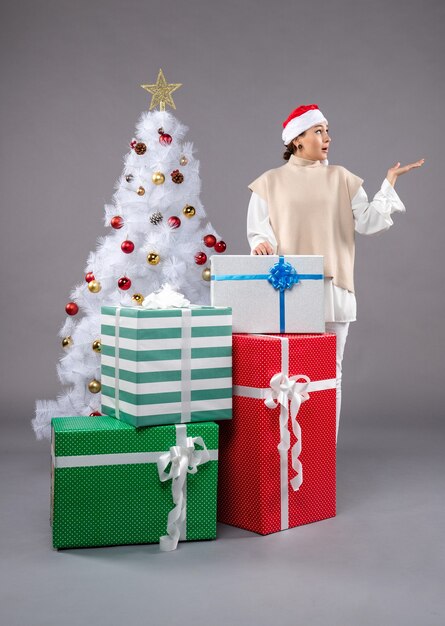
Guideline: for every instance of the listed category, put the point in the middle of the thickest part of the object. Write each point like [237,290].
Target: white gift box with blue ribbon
[269,293]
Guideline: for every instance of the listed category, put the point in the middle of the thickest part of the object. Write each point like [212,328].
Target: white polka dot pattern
[125,504]
[249,469]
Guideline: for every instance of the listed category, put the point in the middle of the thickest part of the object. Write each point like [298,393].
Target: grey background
[70,75]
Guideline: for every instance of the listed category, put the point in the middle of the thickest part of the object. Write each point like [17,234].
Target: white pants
[341,330]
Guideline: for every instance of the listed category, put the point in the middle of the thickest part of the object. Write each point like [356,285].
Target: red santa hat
[302,118]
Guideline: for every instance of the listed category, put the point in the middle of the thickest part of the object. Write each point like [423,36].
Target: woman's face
[315,143]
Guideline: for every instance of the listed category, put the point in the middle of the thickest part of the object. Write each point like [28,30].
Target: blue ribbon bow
[283,275]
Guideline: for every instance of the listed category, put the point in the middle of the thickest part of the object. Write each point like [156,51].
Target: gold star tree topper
[161,92]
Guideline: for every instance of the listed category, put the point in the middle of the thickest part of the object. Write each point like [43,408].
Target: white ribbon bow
[182,460]
[283,389]
[165,298]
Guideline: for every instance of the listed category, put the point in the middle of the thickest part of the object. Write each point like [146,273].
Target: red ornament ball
[124,283]
[95,414]
[165,139]
[127,246]
[200,258]
[89,277]
[117,222]
[220,246]
[174,221]
[72,308]
[209,241]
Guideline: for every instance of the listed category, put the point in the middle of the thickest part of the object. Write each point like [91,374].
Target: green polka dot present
[113,484]
[166,366]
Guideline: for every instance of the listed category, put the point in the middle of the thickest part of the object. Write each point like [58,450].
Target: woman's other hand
[398,170]
[263,248]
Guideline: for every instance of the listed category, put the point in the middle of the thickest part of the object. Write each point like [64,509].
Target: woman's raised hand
[263,248]
[398,170]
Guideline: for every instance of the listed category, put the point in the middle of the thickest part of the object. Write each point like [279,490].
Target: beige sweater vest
[310,213]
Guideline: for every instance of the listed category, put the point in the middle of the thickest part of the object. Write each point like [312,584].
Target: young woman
[310,207]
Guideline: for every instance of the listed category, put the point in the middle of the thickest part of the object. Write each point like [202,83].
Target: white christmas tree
[158,234]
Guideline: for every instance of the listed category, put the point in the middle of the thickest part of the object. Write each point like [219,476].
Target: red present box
[278,454]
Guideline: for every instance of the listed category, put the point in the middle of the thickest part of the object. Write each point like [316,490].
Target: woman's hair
[291,148]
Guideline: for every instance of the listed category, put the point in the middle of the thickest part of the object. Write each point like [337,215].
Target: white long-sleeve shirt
[370,218]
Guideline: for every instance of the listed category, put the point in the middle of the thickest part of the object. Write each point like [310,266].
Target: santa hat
[304,117]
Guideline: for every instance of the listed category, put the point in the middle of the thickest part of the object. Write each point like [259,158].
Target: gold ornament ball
[140,191]
[67,342]
[158,178]
[206,273]
[97,345]
[183,160]
[137,298]
[94,286]
[153,258]
[189,210]
[94,386]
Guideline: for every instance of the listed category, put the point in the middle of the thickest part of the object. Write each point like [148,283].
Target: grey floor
[379,562]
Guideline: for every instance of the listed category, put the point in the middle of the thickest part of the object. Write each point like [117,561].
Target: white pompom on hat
[302,118]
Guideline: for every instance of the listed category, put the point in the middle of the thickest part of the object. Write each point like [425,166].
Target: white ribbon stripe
[186,365]
[116,361]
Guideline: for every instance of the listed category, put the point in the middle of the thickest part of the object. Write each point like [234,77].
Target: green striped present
[166,366]
[109,486]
